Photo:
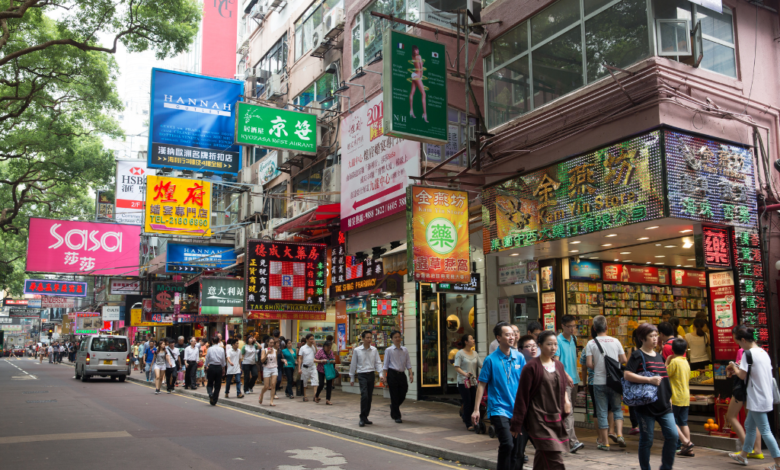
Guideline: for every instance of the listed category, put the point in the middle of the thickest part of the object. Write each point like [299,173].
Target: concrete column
[411,334]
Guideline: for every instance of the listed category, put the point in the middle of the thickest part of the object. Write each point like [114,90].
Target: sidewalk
[435,429]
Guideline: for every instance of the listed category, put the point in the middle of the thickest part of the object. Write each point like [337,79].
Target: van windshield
[109,345]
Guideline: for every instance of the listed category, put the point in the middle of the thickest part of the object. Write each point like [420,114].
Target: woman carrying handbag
[326,371]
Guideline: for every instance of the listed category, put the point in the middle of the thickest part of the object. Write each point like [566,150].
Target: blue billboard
[188,258]
[584,270]
[192,122]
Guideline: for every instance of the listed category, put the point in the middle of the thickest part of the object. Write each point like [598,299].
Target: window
[317,92]
[103,344]
[306,24]
[277,202]
[257,154]
[274,61]
[457,137]
[558,51]
[367,31]
[309,180]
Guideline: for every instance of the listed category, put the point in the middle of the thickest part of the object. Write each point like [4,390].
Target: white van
[104,356]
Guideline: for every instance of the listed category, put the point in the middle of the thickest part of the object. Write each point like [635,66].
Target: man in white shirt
[170,370]
[306,367]
[397,362]
[365,361]
[50,350]
[191,356]
[233,368]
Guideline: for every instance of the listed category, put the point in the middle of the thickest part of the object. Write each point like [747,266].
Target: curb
[402,444]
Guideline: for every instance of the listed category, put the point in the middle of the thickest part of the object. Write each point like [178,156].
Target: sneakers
[755,455]
[576,447]
[633,432]
[600,446]
[620,441]
[613,437]
[739,459]
[156,392]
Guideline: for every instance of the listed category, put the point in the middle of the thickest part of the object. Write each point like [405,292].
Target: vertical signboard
[104,207]
[130,191]
[713,247]
[375,168]
[276,128]
[438,234]
[192,123]
[415,88]
[178,206]
[724,314]
[548,310]
[220,33]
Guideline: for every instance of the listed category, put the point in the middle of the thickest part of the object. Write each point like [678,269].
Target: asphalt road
[50,420]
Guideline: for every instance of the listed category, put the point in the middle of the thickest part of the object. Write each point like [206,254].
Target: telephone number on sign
[156,219]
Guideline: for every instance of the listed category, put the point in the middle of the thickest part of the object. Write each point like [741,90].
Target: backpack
[613,370]
[640,394]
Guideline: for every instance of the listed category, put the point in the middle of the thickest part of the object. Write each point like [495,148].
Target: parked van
[104,356]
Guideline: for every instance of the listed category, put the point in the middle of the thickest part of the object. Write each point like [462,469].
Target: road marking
[305,428]
[63,437]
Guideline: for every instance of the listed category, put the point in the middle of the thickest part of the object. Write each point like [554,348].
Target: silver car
[104,356]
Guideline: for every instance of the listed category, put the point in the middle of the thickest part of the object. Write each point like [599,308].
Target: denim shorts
[680,415]
[605,396]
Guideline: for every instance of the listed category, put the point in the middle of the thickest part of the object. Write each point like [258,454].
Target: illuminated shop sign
[713,248]
[384,307]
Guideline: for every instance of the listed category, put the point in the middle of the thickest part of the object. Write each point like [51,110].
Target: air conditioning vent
[333,23]
[274,87]
[240,238]
[317,37]
[331,183]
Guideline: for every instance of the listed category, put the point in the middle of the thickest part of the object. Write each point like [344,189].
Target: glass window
[673,38]
[617,36]
[367,30]
[555,18]
[317,91]
[278,201]
[429,337]
[457,136]
[104,344]
[274,62]
[557,67]
[309,21]
[508,92]
[309,180]
[510,45]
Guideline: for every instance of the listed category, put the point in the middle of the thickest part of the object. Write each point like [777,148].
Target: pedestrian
[467,364]
[233,357]
[181,364]
[566,352]
[215,365]
[149,354]
[597,349]
[270,359]
[290,360]
[542,404]
[679,376]
[325,356]
[135,355]
[249,353]
[172,366]
[699,344]
[397,363]
[666,335]
[645,359]
[735,406]
[281,345]
[50,351]
[41,353]
[141,356]
[755,369]
[163,361]
[191,357]
[365,361]
[306,369]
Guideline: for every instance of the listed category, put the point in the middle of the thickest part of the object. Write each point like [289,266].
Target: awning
[314,220]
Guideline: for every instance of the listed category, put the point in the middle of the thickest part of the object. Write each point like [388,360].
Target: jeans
[509,447]
[322,384]
[214,384]
[229,378]
[397,385]
[288,373]
[669,430]
[366,381]
[632,417]
[568,422]
[467,396]
[250,376]
[760,420]
[189,374]
[603,396]
[149,372]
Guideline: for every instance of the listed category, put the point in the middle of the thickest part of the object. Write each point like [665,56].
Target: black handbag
[740,386]
[614,371]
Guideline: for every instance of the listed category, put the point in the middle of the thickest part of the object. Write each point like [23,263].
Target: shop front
[659,227]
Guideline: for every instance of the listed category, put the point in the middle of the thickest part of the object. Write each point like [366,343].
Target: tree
[57,87]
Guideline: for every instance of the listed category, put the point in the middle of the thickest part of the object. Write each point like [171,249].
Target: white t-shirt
[759,391]
[306,353]
[611,347]
[493,347]
[235,358]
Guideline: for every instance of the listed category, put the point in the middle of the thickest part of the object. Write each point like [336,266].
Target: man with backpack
[600,350]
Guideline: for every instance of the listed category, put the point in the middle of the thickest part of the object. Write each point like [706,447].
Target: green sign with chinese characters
[614,186]
[415,88]
[276,128]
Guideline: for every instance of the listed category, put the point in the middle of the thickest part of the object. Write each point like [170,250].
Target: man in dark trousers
[397,362]
[191,357]
[365,361]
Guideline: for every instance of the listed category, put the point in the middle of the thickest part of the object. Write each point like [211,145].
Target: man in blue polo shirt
[567,354]
[501,374]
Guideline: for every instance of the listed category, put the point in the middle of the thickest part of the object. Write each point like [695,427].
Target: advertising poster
[585,270]
[504,309]
[87,323]
[689,278]
[111,313]
[635,274]
[415,88]
[91,248]
[513,273]
[124,287]
[268,168]
[55,288]
[221,296]
[137,319]
[438,234]
[191,258]
[105,206]
[375,168]
[285,280]
[58,302]
[192,122]
[167,296]
[341,325]
[220,33]
[130,191]
[276,128]
[546,277]
[178,206]
[548,310]
[724,314]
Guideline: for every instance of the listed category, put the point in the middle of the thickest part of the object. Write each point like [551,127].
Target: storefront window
[429,337]
[460,321]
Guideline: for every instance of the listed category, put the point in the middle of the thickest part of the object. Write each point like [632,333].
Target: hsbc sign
[130,191]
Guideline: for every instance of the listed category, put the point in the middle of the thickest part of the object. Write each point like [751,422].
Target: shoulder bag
[740,386]
[613,369]
[330,370]
[635,394]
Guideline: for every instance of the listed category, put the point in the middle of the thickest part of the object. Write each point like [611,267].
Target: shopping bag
[330,371]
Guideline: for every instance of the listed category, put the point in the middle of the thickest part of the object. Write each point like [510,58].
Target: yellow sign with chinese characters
[178,206]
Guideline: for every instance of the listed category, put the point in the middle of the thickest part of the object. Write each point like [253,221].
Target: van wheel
[122,378]
[113,378]
[84,377]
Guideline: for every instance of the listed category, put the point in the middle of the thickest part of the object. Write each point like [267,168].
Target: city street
[54,421]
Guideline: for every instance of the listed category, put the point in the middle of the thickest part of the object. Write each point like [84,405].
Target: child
[679,375]
[200,375]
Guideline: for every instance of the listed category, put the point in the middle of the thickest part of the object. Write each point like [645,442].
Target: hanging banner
[689,278]
[87,323]
[219,28]
[438,234]
[178,206]
[276,128]
[635,274]
[548,311]
[86,248]
[415,88]
[724,315]
[220,296]
[342,321]
[130,191]
[125,287]
[56,288]
[513,273]
[376,169]
[470,288]
[19,302]
[192,122]
[268,168]
[713,247]
[58,302]
[285,279]
[191,258]
[137,319]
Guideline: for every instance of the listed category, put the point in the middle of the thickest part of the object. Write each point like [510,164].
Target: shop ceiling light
[660,256]
[515,254]
[643,238]
[687,242]
[691,259]
[679,265]
[657,263]
[617,259]
[688,266]
[625,252]
[648,262]
[607,244]
[670,246]
[627,260]
[611,235]
[574,251]
[686,231]
[651,228]
[594,257]
[576,242]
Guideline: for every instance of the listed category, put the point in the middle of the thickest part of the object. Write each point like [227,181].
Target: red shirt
[667,350]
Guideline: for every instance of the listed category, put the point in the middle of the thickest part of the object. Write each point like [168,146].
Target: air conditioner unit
[243,46]
[317,37]
[333,23]
[268,232]
[273,88]
[254,231]
[258,12]
[245,176]
[331,183]
[243,205]
[240,242]
[282,156]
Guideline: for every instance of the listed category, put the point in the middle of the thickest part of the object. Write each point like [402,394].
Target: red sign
[7,301]
[724,314]
[635,274]
[688,278]
[220,26]
[717,249]
[548,310]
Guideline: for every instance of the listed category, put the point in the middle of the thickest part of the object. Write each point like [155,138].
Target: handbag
[640,394]
[613,369]
[330,371]
[739,392]
[775,392]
